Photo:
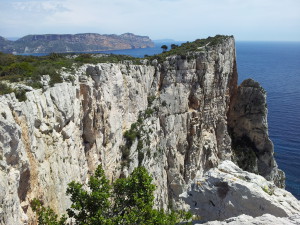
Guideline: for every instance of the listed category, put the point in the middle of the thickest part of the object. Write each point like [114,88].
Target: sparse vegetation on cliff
[28,70]
[189,47]
[127,201]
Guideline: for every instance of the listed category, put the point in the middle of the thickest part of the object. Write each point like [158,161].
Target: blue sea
[276,66]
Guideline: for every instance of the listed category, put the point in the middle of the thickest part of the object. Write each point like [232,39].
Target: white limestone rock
[63,133]
[265,219]
[227,191]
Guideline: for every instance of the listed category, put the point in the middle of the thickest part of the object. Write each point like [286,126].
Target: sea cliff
[192,120]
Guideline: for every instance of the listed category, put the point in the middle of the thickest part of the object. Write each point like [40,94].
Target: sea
[276,66]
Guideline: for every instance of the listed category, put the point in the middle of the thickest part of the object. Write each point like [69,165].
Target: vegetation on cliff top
[185,48]
[127,201]
[28,70]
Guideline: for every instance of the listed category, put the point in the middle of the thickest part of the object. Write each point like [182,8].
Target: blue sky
[186,20]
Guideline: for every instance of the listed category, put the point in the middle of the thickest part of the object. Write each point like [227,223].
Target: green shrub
[148,112]
[5,89]
[21,95]
[127,201]
[151,100]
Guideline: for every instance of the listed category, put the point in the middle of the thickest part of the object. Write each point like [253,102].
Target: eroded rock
[228,191]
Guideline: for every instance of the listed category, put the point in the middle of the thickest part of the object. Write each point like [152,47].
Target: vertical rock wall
[182,108]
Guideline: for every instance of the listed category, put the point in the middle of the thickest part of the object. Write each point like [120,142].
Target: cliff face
[186,109]
[74,43]
[249,128]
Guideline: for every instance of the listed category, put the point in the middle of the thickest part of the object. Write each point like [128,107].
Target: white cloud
[39,6]
[179,19]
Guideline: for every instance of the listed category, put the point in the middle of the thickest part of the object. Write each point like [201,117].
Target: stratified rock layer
[62,133]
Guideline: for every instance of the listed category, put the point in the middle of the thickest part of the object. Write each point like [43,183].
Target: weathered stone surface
[62,133]
[261,220]
[228,191]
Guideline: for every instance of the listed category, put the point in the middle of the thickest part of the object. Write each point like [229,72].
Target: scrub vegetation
[127,201]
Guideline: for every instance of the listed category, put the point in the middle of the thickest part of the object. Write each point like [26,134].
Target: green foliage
[125,156]
[29,69]
[187,48]
[5,89]
[173,46]
[91,207]
[269,191]
[148,112]
[16,68]
[164,47]
[131,134]
[151,99]
[127,201]
[20,93]
[134,201]
[46,216]
[245,153]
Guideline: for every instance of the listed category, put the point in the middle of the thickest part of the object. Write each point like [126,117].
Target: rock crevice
[188,111]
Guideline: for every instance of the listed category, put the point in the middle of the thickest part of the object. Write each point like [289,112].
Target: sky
[182,20]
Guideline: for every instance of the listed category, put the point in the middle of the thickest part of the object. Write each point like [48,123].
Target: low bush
[127,201]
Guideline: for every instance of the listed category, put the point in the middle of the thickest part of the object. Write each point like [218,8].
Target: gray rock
[227,191]
[252,147]
[261,220]
[62,133]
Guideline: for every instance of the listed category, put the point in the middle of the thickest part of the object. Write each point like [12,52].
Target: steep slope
[249,128]
[5,45]
[75,43]
[176,114]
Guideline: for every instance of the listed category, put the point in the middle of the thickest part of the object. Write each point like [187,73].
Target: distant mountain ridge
[86,42]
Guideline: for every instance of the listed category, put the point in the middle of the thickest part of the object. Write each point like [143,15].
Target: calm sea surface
[276,66]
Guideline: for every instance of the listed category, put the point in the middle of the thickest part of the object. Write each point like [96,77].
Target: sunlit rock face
[228,191]
[186,110]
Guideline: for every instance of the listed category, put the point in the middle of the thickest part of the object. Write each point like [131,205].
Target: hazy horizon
[157,40]
[183,20]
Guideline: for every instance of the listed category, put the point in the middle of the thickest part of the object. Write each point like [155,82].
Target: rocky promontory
[203,138]
[87,42]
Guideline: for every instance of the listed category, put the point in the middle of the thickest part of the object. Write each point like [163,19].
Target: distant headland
[47,43]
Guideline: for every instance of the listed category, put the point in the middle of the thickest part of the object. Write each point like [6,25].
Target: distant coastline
[64,43]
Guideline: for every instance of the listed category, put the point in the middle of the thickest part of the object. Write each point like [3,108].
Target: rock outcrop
[88,42]
[252,148]
[227,191]
[181,108]
[261,220]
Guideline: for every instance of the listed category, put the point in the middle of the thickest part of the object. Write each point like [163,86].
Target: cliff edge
[180,116]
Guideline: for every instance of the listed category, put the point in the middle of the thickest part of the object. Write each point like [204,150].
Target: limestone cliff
[187,110]
[250,140]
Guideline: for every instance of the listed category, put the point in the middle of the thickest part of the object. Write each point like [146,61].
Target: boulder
[228,191]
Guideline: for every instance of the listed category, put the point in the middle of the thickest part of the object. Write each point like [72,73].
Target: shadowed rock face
[181,107]
[74,43]
[249,131]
